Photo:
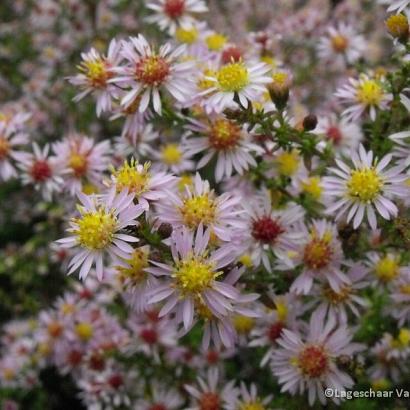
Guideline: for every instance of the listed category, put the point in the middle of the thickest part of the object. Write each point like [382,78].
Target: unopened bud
[398,26]
[279,89]
[310,122]
[165,230]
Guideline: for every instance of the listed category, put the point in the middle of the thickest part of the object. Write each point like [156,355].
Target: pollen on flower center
[84,331]
[243,324]
[188,36]
[312,187]
[266,229]
[233,77]
[387,269]
[337,297]
[198,209]
[313,361]
[215,41]
[369,93]
[364,184]
[132,177]
[339,43]
[209,401]
[40,171]
[78,163]
[224,134]
[96,229]
[253,405]
[96,72]
[194,275]
[134,273]
[171,154]
[317,253]
[4,148]
[174,8]
[152,70]
[288,163]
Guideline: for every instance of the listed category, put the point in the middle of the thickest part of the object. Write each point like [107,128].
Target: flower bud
[279,89]
[310,122]
[398,26]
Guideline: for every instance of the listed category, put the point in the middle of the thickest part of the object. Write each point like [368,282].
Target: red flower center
[40,171]
[313,361]
[4,148]
[333,133]
[275,331]
[266,229]
[152,70]
[212,357]
[115,381]
[149,336]
[158,406]
[174,8]
[230,54]
[209,401]
[224,134]
[74,357]
[96,362]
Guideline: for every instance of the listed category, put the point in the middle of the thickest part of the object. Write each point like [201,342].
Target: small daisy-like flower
[386,268]
[309,363]
[321,255]
[249,399]
[365,95]
[95,73]
[140,181]
[341,45]
[397,5]
[147,72]
[201,206]
[236,80]
[228,141]
[192,280]
[211,393]
[400,298]
[271,231]
[10,139]
[81,160]
[162,397]
[173,157]
[96,232]
[172,14]
[40,171]
[364,187]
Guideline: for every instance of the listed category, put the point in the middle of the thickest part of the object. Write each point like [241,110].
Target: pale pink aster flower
[384,267]
[82,160]
[249,399]
[162,397]
[190,283]
[364,187]
[341,45]
[308,363]
[364,95]
[226,140]
[41,171]
[10,139]
[400,298]
[173,157]
[321,255]
[146,186]
[96,232]
[200,205]
[236,82]
[171,14]
[95,73]
[147,72]
[271,231]
[211,392]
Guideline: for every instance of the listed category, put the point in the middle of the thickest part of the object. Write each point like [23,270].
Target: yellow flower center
[313,361]
[398,25]
[132,177]
[252,405]
[187,36]
[95,229]
[288,162]
[233,77]
[364,184]
[369,92]
[198,209]
[171,154]
[134,272]
[312,187]
[184,181]
[215,41]
[339,43]
[84,331]
[67,308]
[224,134]
[387,269]
[152,70]
[78,163]
[246,260]
[204,83]
[243,324]
[381,384]
[8,373]
[337,297]
[96,72]
[194,274]
[405,289]
[4,148]
[281,310]
[318,252]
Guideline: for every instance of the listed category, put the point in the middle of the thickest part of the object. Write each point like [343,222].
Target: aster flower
[211,393]
[41,171]
[341,45]
[147,72]
[236,81]
[162,397]
[365,95]
[191,282]
[385,267]
[321,255]
[397,5]
[400,298]
[96,232]
[200,205]
[10,139]
[364,187]
[249,399]
[95,73]
[402,147]
[226,140]
[173,157]
[146,186]
[81,160]
[171,14]
[308,363]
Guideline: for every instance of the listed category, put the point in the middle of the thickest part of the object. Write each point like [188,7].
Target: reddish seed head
[115,381]
[174,8]
[313,361]
[230,54]
[149,336]
[40,171]
[275,331]
[334,134]
[209,401]
[266,229]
